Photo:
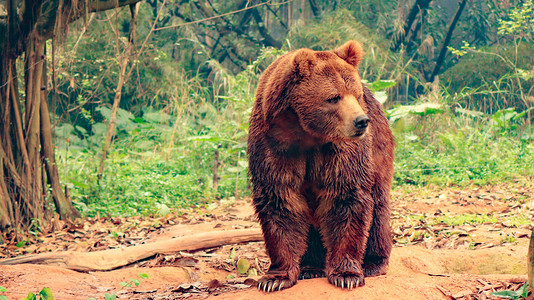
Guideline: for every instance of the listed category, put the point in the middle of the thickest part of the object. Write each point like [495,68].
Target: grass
[143,172]
[450,149]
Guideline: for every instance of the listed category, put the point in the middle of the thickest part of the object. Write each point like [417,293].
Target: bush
[488,82]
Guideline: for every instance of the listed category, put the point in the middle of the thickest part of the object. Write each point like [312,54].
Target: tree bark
[267,38]
[446,42]
[315,8]
[27,162]
[114,258]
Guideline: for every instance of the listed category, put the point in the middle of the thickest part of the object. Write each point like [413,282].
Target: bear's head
[321,93]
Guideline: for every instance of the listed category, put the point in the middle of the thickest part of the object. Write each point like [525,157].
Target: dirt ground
[450,243]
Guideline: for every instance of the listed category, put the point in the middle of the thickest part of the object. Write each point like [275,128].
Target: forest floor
[450,243]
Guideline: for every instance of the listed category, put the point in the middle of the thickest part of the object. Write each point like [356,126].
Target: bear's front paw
[275,283]
[347,281]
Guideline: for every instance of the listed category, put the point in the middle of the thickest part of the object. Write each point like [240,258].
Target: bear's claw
[274,284]
[347,281]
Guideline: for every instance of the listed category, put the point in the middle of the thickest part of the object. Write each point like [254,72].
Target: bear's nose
[361,122]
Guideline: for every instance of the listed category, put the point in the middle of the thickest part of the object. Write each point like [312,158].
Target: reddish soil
[435,255]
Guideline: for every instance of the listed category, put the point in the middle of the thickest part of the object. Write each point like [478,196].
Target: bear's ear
[303,61]
[351,52]
[282,78]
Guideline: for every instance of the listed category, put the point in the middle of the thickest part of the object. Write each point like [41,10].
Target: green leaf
[46,294]
[3,297]
[243,265]
[207,138]
[135,281]
[252,272]
[506,294]
[381,84]
[230,276]
[143,275]
[522,292]
[110,296]
[232,253]
[3,289]
[80,184]
[470,113]
[20,244]
[411,137]
[164,210]
[381,97]
[30,296]
[422,109]
[125,284]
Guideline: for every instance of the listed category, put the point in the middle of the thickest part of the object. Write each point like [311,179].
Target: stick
[114,258]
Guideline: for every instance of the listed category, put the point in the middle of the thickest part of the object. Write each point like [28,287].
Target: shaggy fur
[321,162]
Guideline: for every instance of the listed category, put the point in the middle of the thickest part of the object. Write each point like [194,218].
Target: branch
[316,10]
[115,258]
[446,42]
[268,39]
[46,23]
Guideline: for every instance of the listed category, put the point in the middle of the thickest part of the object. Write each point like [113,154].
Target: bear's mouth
[359,134]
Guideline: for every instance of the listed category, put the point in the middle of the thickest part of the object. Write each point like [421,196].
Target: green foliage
[88,70]
[520,21]
[181,107]
[508,120]
[462,51]
[438,145]
[335,28]
[422,109]
[124,284]
[522,292]
[495,84]
[44,294]
[161,161]
[379,88]
[3,289]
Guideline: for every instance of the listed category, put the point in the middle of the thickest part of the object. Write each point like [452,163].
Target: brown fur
[321,184]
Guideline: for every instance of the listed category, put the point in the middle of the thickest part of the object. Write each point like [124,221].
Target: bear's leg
[379,243]
[313,261]
[285,235]
[345,230]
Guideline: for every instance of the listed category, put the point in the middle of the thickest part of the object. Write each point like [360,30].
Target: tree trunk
[418,6]
[446,42]
[27,161]
[316,10]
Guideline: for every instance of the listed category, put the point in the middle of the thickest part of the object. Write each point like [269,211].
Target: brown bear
[321,164]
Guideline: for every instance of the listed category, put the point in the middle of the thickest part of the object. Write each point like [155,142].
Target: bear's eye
[334,100]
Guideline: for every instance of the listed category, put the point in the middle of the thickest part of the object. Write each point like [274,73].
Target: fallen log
[114,258]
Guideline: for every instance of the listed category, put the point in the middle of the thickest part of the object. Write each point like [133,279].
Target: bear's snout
[361,123]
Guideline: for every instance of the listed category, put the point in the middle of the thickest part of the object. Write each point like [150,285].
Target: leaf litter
[468,217]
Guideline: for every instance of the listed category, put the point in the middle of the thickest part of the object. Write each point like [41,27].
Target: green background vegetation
[183,102]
